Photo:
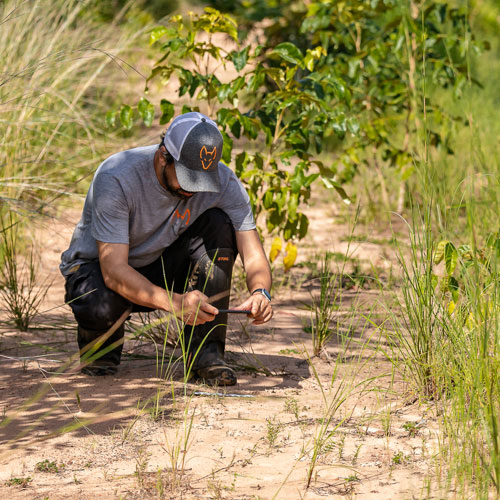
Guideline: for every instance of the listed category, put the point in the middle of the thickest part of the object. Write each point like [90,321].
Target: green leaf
[111,119]
[241,161]
[453,287]
[227,148]
[126,116]
[303,225]
[293,204]
[331,184]
[353,125]
[439,253]
[157,33]
[240,58]
[167,111]
[450,257]
[147,111]
[289,52]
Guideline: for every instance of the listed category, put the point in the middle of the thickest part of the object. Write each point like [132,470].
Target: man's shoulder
[128,159]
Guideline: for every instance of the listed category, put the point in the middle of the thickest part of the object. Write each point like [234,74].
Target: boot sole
[217,375]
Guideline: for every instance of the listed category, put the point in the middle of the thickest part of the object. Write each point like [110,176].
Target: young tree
[357,74]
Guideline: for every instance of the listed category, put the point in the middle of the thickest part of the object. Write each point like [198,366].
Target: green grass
[59,74]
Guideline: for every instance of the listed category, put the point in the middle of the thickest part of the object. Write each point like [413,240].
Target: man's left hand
[261,308]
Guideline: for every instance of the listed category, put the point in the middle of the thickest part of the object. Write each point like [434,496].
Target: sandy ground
[140,434]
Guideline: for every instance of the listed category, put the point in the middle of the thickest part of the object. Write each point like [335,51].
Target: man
[160,229]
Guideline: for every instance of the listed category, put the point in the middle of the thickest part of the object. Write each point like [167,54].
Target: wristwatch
[264,292]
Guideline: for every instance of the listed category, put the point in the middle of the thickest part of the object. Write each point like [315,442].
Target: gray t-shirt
[127,204]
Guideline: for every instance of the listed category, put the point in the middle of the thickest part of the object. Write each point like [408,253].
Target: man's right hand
[194,309]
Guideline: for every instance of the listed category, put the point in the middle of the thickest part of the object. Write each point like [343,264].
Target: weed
[22,482]
[49,466]
[292,406]
[341,446]
[352,478]
[215,489]
[141,463]
[324,307]
[385,420]
[20,287]
[159,485]
[411,428]
[356,454]
[273,429]
[288,351]
[398,458]
[178,447]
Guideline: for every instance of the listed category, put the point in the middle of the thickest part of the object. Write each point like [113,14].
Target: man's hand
[260,306]
[194,308]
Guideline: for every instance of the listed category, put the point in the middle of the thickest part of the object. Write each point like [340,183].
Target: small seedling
[22,482]
[398,458]
[273,430]
[341,446]
[352,478]
[356,454]
[288,351]
[411,428]
[292,406]
[48,466]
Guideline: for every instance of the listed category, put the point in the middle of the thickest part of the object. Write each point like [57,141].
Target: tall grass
[60,69]
[447,331]
[449,351]
[21,288]
[59,73]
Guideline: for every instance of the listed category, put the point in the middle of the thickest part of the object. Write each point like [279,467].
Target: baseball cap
[195,143]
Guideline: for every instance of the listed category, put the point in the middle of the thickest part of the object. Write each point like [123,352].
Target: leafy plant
[23,482]
[286,111]
[49,466]
[386,58]
[347,77]
[273,430]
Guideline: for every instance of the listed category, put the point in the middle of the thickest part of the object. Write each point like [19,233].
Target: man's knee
[94,306]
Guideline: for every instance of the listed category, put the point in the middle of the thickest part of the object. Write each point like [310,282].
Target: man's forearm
[132,285]
[258,275]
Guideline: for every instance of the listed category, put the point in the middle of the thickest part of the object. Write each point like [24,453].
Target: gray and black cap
[195,143]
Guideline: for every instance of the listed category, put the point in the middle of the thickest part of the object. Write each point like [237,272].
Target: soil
[140,435]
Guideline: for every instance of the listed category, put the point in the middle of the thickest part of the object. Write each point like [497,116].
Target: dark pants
[200,259]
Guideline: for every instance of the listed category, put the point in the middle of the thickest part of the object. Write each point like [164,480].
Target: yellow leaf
[291,255]
[451,307]
[276,247]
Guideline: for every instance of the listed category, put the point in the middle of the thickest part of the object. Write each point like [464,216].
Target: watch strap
[264,292]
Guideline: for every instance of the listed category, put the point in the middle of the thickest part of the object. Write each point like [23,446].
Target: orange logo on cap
[207,157]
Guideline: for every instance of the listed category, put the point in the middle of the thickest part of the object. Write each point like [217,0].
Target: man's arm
[258,274]
[127,282]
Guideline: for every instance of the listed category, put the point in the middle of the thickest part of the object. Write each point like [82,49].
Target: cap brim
[196,181]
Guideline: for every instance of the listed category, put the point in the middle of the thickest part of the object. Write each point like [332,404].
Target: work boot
[212,368]
[106,364]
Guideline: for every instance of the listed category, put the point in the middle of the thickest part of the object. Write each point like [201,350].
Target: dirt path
[135,435]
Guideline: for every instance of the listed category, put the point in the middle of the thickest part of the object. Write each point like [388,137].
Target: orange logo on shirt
[207,157]
[187,215]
